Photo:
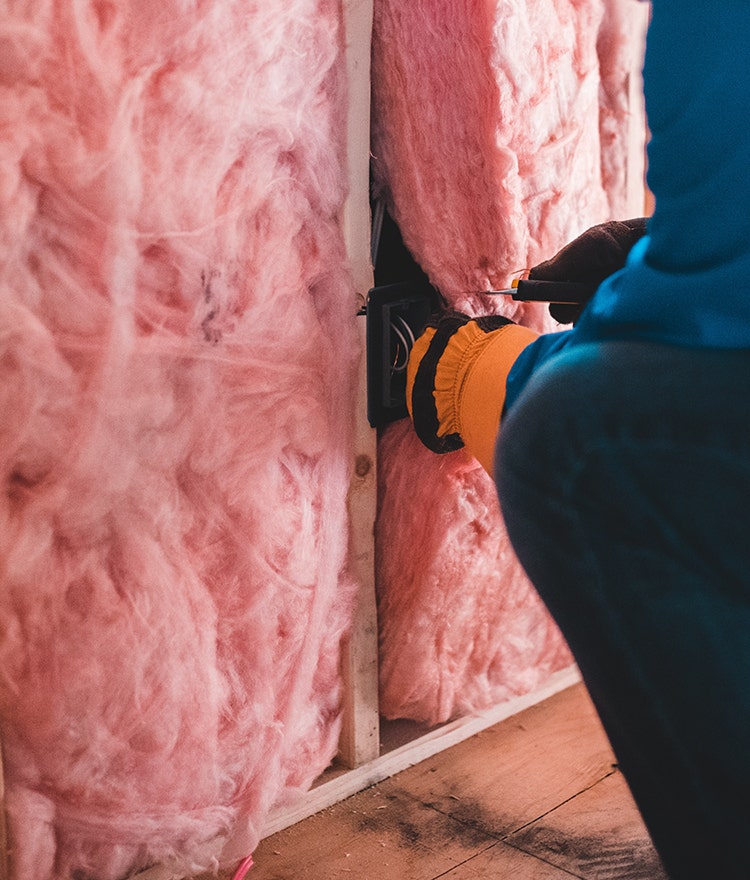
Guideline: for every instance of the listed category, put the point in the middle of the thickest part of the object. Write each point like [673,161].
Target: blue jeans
[624,480]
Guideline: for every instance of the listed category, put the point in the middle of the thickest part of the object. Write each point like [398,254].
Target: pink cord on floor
[243,868]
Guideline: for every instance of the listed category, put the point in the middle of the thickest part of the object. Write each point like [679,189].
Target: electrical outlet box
[396,315]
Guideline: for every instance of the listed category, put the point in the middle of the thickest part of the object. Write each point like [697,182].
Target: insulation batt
[176,332]
[470,629]
[500,132]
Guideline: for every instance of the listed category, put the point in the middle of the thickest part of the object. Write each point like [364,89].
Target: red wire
[243,868]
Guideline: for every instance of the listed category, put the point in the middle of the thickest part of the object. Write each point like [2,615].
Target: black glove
[592,257]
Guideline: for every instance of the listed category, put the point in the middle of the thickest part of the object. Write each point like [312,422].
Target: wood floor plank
[502,862]
[507,776]
[374,835]
[598,835]
[536,797]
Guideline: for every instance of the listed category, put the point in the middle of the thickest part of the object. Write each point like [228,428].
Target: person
[622,456]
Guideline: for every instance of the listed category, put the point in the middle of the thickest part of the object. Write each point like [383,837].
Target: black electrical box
[396,315]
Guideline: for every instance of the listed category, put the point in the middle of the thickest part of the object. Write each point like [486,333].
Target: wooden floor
[537,797]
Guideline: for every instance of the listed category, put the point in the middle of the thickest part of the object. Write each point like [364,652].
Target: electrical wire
[403,350]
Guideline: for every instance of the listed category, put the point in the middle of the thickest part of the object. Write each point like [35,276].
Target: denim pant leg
[624,479]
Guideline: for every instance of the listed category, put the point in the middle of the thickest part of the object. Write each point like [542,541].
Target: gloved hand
[455,381]
[592,257]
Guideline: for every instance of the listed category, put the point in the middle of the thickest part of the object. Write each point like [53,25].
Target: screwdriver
[568,292]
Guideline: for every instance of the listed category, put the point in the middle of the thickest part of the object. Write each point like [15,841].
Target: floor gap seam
[561,804]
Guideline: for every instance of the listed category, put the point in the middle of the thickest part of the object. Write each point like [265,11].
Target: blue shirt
[687,282]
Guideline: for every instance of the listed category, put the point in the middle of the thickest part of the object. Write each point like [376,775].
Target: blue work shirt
[687,282]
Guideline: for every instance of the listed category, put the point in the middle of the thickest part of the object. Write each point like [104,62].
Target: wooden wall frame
[360,742]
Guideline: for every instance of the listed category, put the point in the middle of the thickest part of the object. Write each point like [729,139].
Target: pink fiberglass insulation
[461,627]
[500,131]
[176,329]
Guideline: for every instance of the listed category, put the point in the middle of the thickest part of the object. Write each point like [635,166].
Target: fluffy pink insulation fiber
[500,133]
[461,627]
[176,329]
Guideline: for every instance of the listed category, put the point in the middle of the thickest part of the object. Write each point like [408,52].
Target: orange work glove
[455,382]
